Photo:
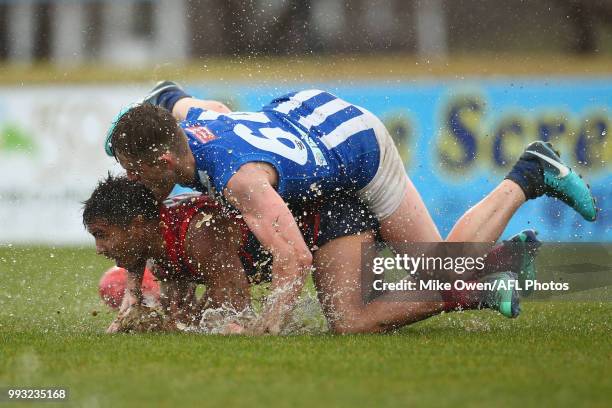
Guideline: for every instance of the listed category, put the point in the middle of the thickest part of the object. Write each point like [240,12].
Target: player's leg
[404,218]
[340,286]
[171,96]
[411,222]
[338,282]
[486,221]
[180,108]
[392,197]
[539,171]
[403,215]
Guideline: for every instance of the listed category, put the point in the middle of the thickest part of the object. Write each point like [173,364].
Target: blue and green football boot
[164,94]
[527,244]
[541,171]
[504,299]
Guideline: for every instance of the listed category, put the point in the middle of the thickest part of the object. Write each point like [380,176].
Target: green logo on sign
[14,139]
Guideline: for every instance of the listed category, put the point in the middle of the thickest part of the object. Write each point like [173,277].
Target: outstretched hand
[141,318]
[124,310]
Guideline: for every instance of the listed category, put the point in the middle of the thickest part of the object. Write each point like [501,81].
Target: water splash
[306,318]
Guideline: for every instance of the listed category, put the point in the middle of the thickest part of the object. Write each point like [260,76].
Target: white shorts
[385,192]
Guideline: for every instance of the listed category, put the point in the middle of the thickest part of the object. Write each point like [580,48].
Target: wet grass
[51,334]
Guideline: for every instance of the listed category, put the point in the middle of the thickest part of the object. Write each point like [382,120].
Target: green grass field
[51,334]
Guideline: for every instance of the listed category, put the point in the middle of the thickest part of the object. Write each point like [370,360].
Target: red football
[112,286]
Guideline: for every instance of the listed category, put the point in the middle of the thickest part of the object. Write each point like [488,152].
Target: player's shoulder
[186,214]
[211,233]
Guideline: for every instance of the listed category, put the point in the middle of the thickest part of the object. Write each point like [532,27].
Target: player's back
[177,213]
[316,142]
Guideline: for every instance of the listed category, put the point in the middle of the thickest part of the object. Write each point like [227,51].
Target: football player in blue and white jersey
[296,152]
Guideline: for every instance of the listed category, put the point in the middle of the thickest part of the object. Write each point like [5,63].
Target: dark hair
[145,131]
[118,201]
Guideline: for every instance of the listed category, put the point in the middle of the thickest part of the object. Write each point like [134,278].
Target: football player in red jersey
[130,227]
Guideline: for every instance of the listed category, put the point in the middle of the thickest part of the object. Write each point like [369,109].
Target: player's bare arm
[179,301]
[212,245]
[268,217]
[133,293]
[177,297]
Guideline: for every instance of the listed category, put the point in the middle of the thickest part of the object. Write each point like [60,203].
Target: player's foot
[528,243]
[159,94]
[540,171]
[504,297]
[164,94]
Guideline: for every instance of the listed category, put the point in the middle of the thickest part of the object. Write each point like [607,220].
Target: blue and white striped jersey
[317,143]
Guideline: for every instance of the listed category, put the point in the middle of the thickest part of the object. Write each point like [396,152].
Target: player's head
[148,143]
[123,217]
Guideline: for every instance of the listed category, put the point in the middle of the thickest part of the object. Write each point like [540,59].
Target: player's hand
[262,326]
[125,309]
[271,319]
[141,319]
[128,301]
[234,328]
[114,327]
[273,329]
